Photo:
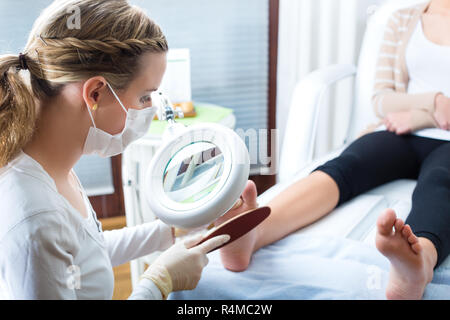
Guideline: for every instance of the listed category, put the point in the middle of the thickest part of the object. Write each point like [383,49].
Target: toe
[250,194]
[407,232]
[247,201]
[412,239]
[399,225]
[417,247]
[386,221]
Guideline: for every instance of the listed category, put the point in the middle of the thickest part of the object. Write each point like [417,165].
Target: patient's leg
[360,167]
[299,205]
[412,258]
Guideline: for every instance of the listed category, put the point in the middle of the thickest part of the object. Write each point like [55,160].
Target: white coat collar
[27,165]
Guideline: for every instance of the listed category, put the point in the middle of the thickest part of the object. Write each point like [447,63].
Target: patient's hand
[399,122]
[442,112]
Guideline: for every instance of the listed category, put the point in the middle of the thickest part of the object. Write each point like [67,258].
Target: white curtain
[314,34]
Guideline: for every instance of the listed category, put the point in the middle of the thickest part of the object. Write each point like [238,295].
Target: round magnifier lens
[197,175]
[193,172]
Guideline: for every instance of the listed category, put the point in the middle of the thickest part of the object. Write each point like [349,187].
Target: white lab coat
[49,251]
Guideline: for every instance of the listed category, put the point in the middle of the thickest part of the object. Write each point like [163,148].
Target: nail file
[238,226]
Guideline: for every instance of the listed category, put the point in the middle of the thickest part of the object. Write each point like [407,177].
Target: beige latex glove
[180,267]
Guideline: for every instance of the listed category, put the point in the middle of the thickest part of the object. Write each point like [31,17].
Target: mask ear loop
[115,95]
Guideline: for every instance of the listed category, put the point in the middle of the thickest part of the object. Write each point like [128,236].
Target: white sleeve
[37,256]
[146,290]
[130,243]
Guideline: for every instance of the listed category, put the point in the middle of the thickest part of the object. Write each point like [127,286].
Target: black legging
[381,157]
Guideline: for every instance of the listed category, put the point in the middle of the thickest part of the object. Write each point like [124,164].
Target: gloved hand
[180,267]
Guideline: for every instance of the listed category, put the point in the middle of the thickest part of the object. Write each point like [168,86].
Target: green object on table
[205,113]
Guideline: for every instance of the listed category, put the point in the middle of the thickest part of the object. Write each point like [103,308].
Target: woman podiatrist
[76,91]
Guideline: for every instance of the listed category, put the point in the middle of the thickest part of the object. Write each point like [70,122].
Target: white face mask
[105,145]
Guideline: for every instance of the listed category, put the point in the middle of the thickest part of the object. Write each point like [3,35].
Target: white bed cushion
[307,267]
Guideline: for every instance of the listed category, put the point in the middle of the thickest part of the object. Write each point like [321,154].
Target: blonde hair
[111,37]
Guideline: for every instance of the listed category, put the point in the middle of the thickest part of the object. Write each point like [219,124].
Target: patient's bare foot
[411,267]
[236,256]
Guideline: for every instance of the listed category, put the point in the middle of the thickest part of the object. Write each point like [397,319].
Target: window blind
[229,47]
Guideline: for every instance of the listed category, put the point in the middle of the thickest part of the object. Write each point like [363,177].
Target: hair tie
[23,62]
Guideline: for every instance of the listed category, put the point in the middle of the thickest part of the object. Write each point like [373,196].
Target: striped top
[392,78]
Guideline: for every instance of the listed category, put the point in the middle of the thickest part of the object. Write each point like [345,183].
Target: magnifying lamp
[198,173]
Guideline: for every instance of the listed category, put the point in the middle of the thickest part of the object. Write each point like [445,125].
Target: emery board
[238,226]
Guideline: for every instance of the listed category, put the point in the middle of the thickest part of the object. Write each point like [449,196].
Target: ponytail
[17,109]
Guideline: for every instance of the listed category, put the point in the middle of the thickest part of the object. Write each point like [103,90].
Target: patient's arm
[390,101]
[442,112]
[390,94]
[403,122]
[409,120]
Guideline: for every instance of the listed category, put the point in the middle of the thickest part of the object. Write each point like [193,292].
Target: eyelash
[146,99]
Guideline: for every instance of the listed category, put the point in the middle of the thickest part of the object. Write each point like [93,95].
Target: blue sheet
[308,267]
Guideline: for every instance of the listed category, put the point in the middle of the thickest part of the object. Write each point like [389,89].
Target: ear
[93,90]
